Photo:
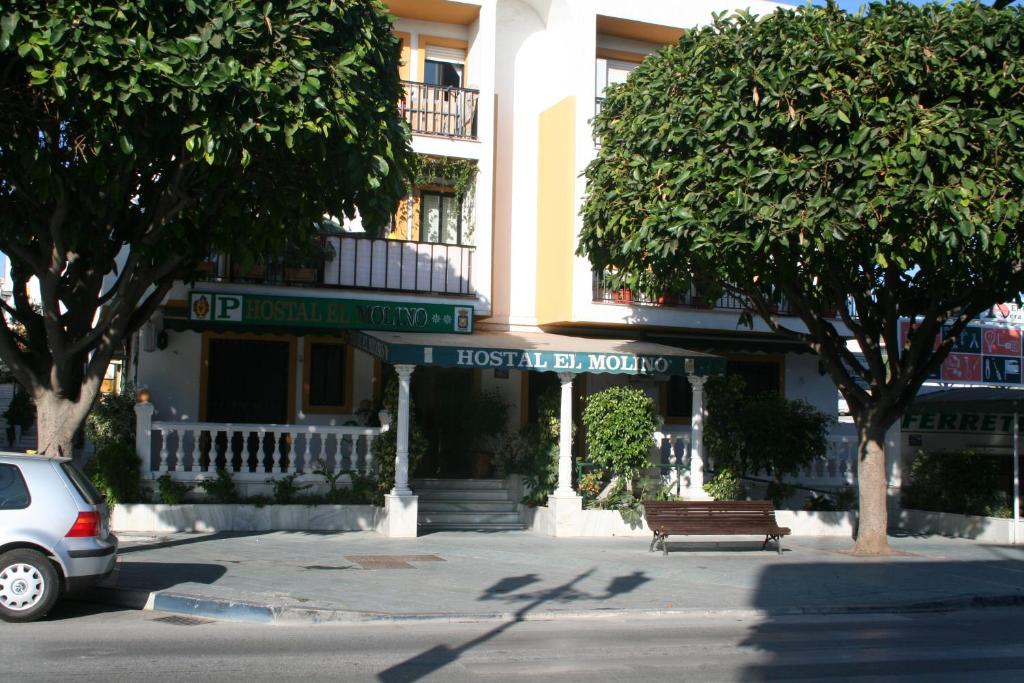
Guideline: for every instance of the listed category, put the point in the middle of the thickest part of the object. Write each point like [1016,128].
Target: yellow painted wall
[556,177]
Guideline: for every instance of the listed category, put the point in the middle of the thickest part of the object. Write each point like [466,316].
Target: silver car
[54,534]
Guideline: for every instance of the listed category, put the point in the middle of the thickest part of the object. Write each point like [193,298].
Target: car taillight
[87,524]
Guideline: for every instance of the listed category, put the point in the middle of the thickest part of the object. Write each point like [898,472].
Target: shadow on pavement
[76,607]
[507,590]
[156,576]
[898,617]
[188,540]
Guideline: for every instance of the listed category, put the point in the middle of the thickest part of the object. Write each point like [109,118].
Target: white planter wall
[989,529]
[144,518]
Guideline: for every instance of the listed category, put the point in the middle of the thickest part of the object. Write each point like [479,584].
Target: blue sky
[849,5]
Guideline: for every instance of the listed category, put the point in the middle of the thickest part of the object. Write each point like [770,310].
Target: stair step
[467,518]
[461,494]
[466,506]
[445,484]
[471,527]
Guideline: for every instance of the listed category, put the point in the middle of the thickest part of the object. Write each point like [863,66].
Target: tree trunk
[872,529]
[58,419]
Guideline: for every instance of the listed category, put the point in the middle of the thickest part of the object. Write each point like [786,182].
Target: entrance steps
[465,505]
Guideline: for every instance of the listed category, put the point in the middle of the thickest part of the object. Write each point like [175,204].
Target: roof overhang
[536,351]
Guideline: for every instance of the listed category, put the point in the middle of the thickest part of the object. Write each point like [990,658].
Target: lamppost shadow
[509,591]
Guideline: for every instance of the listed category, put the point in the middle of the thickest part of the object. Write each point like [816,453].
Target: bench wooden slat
[743,517]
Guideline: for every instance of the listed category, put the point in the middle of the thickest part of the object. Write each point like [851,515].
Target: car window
[13,491]
[82,483]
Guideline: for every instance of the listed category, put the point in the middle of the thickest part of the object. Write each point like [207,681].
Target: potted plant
[249,271]
[303,260]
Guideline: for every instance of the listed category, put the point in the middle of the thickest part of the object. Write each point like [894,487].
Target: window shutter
[452,55]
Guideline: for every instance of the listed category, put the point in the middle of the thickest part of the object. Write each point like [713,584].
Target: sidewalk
[303,577]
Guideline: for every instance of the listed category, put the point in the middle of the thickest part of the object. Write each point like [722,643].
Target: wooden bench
[713,518]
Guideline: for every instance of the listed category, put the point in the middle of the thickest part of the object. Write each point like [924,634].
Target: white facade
[530,76]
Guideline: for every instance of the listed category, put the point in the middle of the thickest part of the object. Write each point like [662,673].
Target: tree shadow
[166,542]
[508,590]
[850,609]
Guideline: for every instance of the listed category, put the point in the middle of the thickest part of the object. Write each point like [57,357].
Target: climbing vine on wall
[459,174]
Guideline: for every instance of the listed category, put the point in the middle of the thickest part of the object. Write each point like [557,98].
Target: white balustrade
[672,452]
[837,468]
[194,450]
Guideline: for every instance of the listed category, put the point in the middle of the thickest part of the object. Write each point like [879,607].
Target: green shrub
[769,433]
[112,419]
[220,489]
[533,451]
[171,492]
[286,491]
[835,501]
[620,423]
[962,482]
[726,485]
[114,471]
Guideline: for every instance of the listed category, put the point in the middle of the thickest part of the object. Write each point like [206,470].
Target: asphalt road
[85,643]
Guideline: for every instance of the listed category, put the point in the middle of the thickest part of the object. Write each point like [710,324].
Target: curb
[251,612]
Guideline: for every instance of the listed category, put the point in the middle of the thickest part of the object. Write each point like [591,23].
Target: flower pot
[257,271]
[303,275]
[622,296]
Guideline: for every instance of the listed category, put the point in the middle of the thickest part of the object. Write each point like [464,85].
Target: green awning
[536,351]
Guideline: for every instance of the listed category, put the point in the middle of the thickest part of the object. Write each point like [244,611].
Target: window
[328,364]
[82,484]
[13,491]
[445,74]
[440,218]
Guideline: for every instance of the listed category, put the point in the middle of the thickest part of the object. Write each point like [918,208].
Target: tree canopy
[862,168]
[136,137]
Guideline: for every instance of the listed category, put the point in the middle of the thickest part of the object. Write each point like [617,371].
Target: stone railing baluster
[196,451]
[163,448]
[179,451]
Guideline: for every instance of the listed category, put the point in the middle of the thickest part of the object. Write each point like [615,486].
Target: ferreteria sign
[262,311]
[976,423]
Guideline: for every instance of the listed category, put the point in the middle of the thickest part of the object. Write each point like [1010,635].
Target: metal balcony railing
[359,262]
[605,293]
[440,110]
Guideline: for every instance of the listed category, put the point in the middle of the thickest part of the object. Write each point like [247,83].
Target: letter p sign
[228,308]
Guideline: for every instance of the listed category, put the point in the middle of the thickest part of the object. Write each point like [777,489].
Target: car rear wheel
[29,585]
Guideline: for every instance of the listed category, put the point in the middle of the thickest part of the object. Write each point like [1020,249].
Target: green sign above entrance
[263,311]
[532,352]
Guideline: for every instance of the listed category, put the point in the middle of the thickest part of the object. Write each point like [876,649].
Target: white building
[282,363]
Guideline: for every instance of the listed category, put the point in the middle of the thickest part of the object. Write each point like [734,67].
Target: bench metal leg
[664,544]
[778,544]
[767,538]
[653,542]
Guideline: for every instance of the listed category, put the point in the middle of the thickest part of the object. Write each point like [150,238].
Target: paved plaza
[358,577]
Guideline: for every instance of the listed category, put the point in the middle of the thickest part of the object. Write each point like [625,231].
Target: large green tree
[138,136]
[864,169]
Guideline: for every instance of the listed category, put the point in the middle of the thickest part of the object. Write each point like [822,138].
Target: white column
[695,491]
[1015,536]
[564,489]
[143,428]
[402,437]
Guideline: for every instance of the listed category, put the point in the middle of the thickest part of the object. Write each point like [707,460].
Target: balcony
[443,111]
[605,293]
[358,262]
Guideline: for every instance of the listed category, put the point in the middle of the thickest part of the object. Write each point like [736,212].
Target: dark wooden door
[247,381]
